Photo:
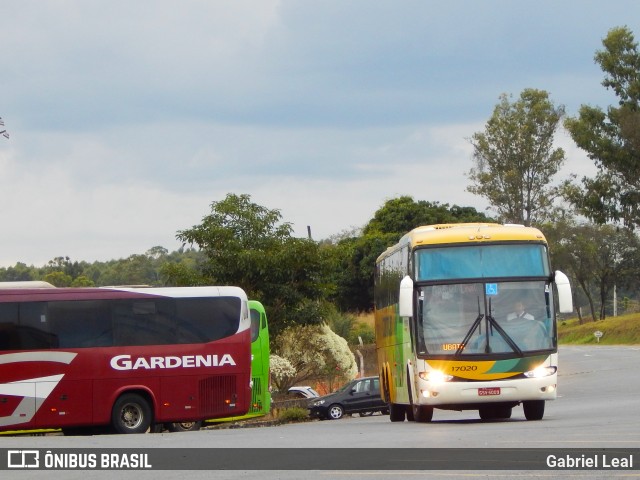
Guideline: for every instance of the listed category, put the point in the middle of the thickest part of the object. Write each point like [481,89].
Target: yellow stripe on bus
[478,370]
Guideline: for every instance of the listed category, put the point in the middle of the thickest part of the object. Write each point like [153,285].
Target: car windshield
[483,318]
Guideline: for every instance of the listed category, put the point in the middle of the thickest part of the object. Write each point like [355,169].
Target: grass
[366,318]
[621,330]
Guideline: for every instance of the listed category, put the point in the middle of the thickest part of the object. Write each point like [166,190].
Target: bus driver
[519,312]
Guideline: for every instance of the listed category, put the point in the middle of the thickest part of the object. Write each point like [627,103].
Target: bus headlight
[435,376]
[540,372]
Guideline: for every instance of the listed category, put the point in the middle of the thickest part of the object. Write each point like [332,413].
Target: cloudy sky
[127,119]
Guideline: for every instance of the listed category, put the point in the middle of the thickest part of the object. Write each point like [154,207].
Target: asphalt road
[598,407]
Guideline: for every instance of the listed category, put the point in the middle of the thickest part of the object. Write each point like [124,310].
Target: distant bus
[122,359]
[260,351]
[465,319]
[260,394]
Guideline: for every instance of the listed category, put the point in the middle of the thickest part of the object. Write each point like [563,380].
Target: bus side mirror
[565,299]
[406,297]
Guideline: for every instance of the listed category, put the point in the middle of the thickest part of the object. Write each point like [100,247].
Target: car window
[363,386]
[376,385]
[297,394]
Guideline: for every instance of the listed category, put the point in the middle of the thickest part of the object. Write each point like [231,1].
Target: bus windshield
[483,318]
[482,261]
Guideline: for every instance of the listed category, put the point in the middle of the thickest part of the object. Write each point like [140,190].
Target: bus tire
[131,414]
[533,409]
[495,412]
[184,426]
[486,413]
[422,413]
[397,412]
[503,412]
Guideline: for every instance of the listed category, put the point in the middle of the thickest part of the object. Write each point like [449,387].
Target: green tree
[247,245]
[599,258]
[612,139]
[514,158]
[82,281]
[355,257]
[399,215]
[18,273]
[58,279]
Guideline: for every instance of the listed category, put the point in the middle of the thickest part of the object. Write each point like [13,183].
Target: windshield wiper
[471,331]
[508,339]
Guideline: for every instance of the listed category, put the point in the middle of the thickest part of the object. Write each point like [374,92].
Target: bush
[293,414]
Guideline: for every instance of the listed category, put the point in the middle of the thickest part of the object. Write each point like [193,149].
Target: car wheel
[335,412]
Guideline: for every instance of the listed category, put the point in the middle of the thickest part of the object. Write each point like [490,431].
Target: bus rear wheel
[184,426]
[397,412]
[131,414]
[533,409]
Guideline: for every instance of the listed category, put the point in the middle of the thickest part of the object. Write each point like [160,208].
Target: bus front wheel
[131,414]
[422,413]
[533,409]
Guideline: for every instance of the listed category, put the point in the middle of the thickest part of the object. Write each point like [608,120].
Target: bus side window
[81,324]
[35,328]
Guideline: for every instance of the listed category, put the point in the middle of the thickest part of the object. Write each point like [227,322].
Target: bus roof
[465,232]
[26,284]
[97,293]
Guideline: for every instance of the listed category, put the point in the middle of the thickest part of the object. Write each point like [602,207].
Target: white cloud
[127,119]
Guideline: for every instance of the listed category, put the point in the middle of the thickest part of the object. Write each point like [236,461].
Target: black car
[359,396]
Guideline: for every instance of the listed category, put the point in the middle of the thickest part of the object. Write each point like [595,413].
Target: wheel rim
[131,415]
[335,412]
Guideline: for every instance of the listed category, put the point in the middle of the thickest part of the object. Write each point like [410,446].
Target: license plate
[483,392]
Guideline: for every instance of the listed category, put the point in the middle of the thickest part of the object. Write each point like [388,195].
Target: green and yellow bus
[465,319]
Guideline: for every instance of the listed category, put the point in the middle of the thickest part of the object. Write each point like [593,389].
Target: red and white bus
[126,358]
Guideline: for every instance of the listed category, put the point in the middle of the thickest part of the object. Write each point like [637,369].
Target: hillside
[621,330]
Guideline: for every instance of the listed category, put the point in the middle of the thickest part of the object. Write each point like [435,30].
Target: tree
[399,215]
[597,257]
[355,257]
[281,372]
[315,352]
[247,245]
[58,279]
[612,139]
[515,160]
[18,273]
